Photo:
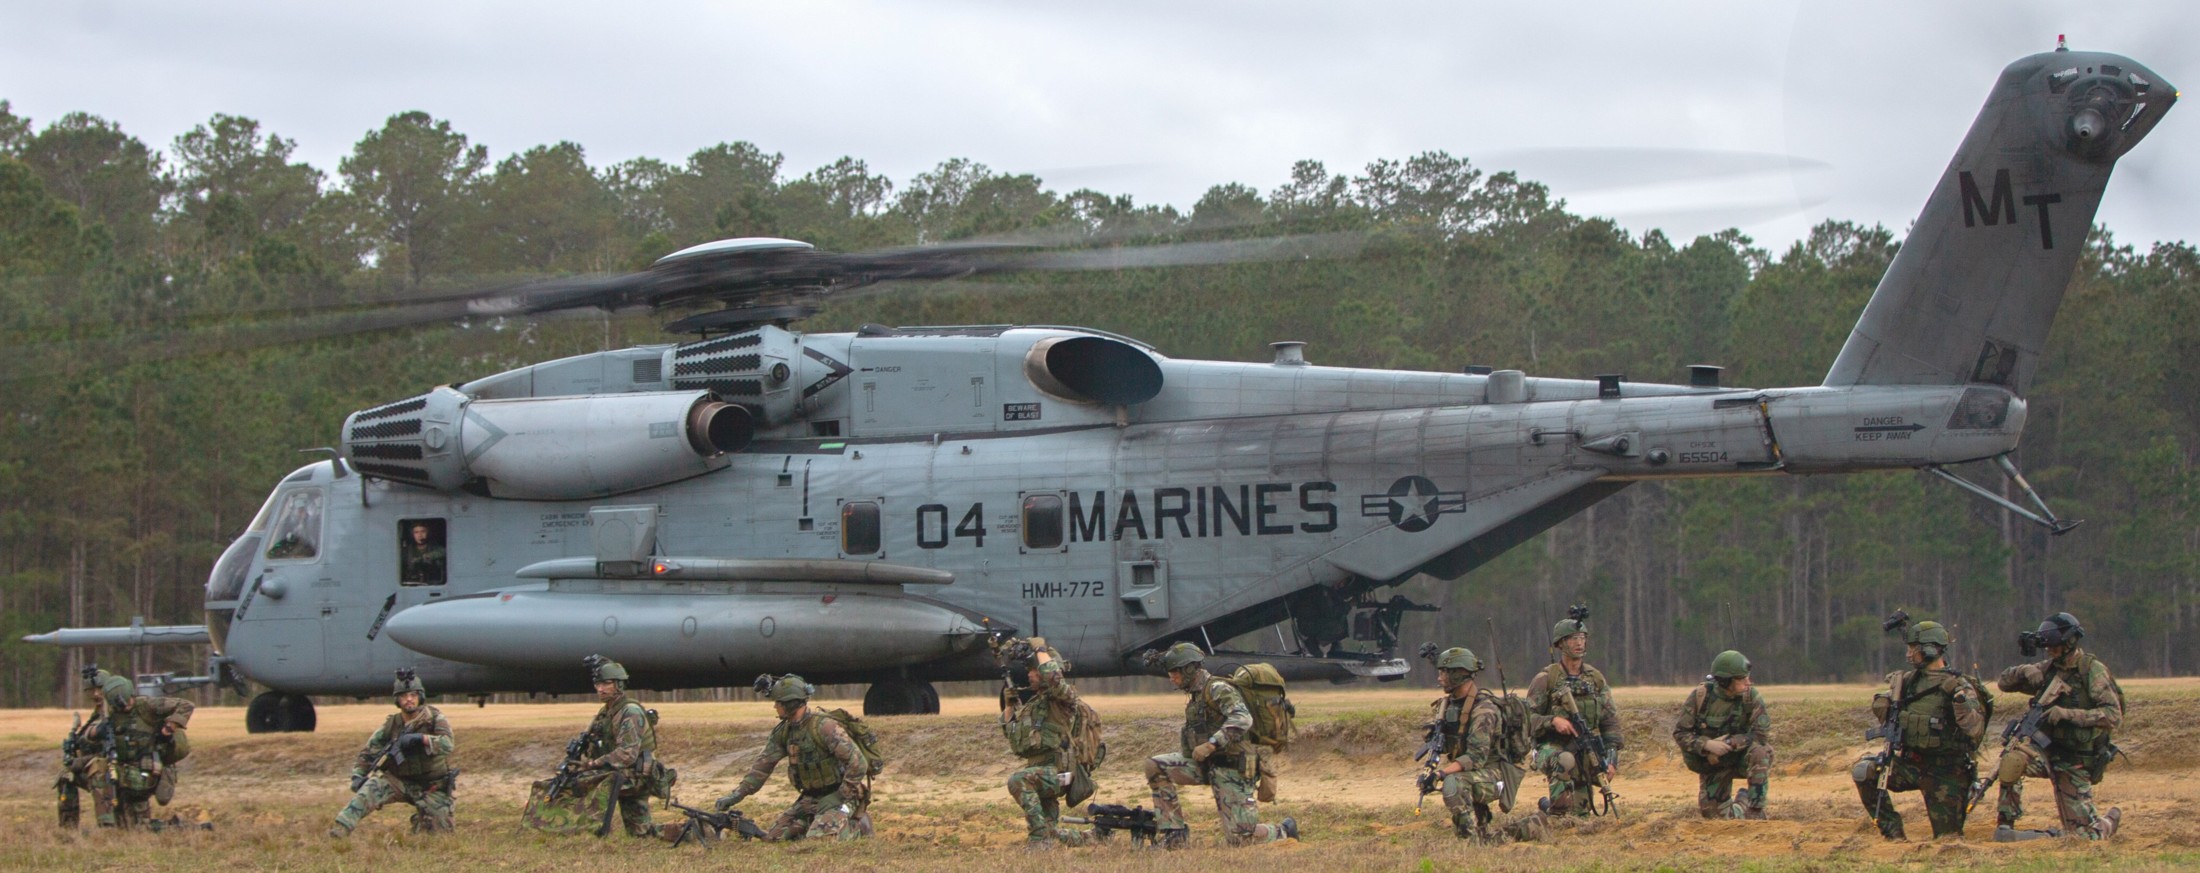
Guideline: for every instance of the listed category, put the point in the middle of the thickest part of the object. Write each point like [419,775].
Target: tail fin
[1971,294]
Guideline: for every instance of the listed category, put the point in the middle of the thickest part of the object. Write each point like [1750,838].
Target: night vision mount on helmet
[2060,629]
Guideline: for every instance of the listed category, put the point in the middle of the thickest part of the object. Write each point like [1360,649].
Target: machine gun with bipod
[707,827]
[1107,818]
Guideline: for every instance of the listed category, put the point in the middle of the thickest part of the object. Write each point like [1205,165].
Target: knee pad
[1564,762]
[2013,765]
[1865,772]
[1154,776]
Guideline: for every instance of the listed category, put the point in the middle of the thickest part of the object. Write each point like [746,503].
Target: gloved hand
[727,802]
[411,744]
[1202,752]
[358,781]
[2056,714]
[1716,748]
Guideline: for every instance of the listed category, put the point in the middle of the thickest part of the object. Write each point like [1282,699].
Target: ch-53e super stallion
[874,506]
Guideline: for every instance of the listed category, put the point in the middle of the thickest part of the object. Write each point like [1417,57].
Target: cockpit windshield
[297,534]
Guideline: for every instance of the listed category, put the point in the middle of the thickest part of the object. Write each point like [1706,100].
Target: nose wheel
[901,697]
[274,712]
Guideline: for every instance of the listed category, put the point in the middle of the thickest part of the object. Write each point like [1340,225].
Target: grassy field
[941,805]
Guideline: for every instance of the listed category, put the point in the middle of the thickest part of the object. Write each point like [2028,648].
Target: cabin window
[420,551]
[297,535]
[1042,521]
[859,528]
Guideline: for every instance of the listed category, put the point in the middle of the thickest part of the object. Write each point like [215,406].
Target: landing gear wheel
[901,697]
[273,712]
[264,715]
[298,714]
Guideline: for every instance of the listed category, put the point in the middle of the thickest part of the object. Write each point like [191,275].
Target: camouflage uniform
[425,780]
[622,726]
[1942,718]
[1214,715]
[1039,732]
[1470,728]
[1739,720]
[1584,699]
[825,766]
[143,767]
[2079,726]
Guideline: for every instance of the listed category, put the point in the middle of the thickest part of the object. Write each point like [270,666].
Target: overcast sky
[1864,101]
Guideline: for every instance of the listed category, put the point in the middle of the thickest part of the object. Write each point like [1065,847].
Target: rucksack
[1086,746]
[1262,688]
[1513,742]
[866,739]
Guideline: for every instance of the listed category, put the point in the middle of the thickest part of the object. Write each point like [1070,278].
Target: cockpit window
[297,534]
[420,551]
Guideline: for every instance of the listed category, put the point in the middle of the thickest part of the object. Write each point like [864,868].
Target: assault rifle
[570,769]
[709,827]
[1891,731]
[1431,778]
[1107,818]
[1607,758]
[2023,730]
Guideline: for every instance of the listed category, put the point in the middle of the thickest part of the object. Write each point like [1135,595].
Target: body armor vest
[2066,735]
[1927,712]
[1202,717]
[810,766]
[1721,715]
[605,729]
[421,766]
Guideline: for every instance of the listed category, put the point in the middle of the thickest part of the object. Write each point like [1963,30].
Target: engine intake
[1093,369]
[552,448]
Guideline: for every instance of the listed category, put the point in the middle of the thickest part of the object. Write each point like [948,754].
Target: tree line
[180,321]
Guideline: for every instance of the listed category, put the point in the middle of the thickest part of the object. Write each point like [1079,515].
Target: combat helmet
[1458,658]
[118,690]
[1729,664]
[1931,638]
[1180,656]
[94,677]
[407,680]
[784,689]
[2060,629]
[602,669]
[1575,622]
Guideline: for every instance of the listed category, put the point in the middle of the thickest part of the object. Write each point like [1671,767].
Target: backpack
[865,738]
[1262,688]
[1086,746]
[1514,743]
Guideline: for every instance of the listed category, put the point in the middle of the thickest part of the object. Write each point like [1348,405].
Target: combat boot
[338,831]
[1290,827]
[1176,838]
[2105,826]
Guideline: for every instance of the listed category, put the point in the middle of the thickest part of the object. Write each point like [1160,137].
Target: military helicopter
[876,506]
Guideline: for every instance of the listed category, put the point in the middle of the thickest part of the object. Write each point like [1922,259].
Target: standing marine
[623,740]
[1576,727]
[409,759]
[1931,719]
[1724,735]
[1470,765]
[126,756]
[2080,708]
[1215,752]
[1041,724]
[827,766]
